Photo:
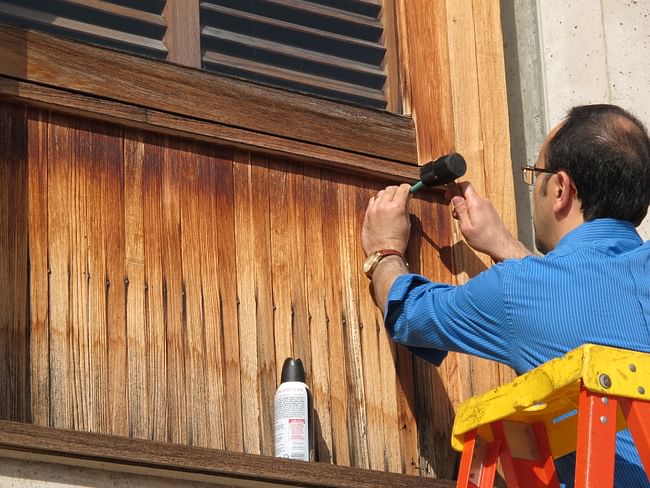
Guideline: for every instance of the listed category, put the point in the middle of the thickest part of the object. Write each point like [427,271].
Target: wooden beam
[121,454]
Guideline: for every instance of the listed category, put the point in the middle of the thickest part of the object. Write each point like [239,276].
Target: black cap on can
[293,370]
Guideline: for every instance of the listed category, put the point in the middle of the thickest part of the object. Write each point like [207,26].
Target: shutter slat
[293,76]
[78,27]
[309,8]
[292,51]
[120,11]
[260,19]
[328,48]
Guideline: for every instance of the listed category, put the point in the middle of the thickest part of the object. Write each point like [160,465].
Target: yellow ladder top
[549,393]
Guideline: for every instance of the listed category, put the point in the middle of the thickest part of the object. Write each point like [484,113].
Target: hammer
[441,171]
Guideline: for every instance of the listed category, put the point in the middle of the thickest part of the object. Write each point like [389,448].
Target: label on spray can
[292,421]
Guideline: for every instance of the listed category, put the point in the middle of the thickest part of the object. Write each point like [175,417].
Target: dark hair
[606,151]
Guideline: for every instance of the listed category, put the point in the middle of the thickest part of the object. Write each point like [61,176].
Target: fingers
[468,191]
[393,192]
[460,211]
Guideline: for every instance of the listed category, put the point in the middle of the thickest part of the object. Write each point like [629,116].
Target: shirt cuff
[395,307]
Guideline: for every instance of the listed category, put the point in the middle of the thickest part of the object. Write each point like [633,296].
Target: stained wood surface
[218,467]
[147,83]
[178,278]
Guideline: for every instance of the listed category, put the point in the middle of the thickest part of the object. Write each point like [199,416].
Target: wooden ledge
[122,454]
[178,91]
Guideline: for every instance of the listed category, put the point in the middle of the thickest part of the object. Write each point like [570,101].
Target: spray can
[294,414]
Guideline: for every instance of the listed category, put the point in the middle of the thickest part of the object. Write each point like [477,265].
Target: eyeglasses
[529,173]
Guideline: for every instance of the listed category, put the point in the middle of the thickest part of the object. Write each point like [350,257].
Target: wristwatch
[374,258]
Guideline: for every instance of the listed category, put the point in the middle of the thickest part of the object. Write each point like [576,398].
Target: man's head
[602,154]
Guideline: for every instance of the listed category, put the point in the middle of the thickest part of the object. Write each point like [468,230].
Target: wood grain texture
[319,374]
[59,192]
[38,255]
[87,69]
[155,295]
[136,319]
[245,241]
[174,293]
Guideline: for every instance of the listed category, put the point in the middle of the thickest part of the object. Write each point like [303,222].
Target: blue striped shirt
[594,287]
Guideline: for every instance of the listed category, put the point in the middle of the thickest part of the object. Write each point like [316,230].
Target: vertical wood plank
[173,296]
[379,363]
[80,184]
[335,319]
[37,126]
[425,73]
[316,301]
[108,140]
[96,276]
[263,302]
[154,286]
[193,300]
[348,249]
[136,320]
[369,329]
[183,32]
[215,399]
[287,213]
[247,292]
[433,405]
[14,344]
[225,202]
[282,263]
[59,155]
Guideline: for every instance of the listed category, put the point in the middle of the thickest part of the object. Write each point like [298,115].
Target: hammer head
[441,171]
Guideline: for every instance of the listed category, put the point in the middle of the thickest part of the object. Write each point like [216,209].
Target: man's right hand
[482,227]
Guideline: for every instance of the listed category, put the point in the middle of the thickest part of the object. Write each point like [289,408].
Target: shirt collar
[620,234]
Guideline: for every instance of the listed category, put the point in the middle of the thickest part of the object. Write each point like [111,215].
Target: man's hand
[482,227]
[387,224]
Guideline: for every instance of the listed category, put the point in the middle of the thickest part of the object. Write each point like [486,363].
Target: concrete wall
[561,53]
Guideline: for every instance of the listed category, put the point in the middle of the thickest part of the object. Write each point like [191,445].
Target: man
[591,188]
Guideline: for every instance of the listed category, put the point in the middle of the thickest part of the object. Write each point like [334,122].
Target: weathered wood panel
[172,278]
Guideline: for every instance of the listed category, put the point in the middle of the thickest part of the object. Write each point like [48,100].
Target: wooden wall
[152,286]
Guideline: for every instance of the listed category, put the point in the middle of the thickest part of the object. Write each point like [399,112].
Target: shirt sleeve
[433,318]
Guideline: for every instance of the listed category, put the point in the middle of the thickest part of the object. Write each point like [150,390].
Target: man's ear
[564,192]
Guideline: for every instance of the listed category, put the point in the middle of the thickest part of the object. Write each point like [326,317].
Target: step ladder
[574,403]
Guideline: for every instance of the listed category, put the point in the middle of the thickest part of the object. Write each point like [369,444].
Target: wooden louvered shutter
[134,26]
[331,48]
